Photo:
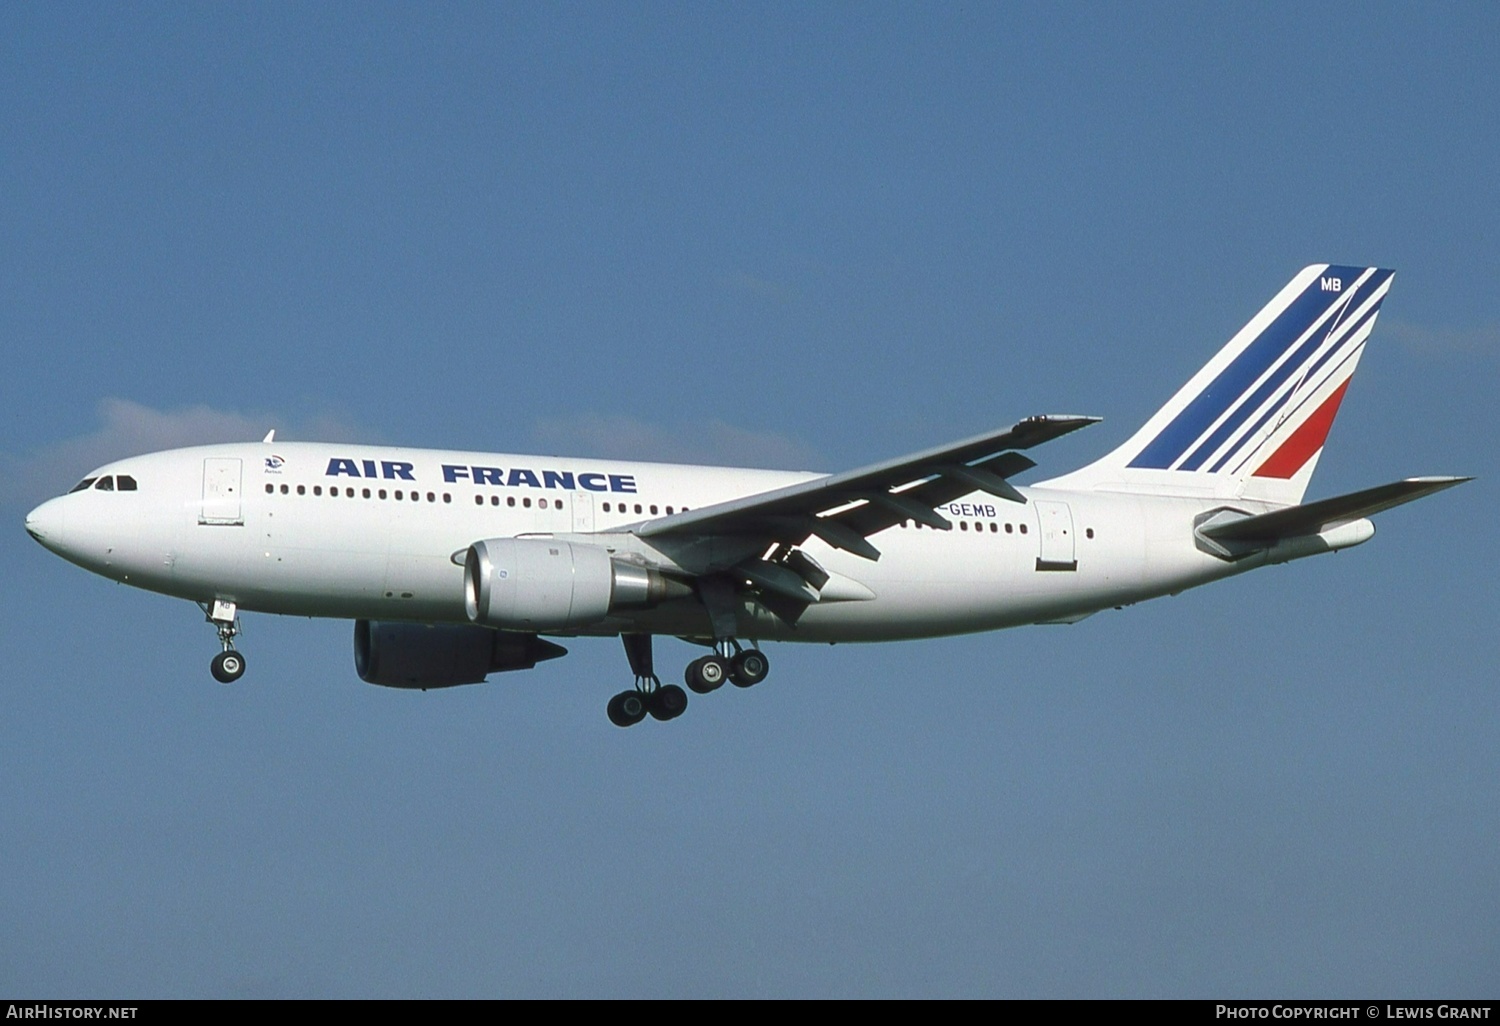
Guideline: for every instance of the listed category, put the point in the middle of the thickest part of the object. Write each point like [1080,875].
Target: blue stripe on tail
[1279,377]
[1210,404]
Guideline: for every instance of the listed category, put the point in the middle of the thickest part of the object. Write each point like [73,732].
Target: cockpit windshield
[108,483]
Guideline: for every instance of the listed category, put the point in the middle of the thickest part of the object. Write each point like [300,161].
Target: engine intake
[414,655]
[540,584]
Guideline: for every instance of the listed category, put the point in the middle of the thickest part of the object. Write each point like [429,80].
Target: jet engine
[414,655]
[540,584]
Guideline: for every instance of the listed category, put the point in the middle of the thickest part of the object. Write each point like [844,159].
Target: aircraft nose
[45,522]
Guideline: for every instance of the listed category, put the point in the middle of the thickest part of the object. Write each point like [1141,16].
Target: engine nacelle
[539,584]
[413,655]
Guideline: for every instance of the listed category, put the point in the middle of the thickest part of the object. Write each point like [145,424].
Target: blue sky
[797,236]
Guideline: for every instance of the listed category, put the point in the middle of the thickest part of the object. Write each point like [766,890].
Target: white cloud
[129,427]
[711,442]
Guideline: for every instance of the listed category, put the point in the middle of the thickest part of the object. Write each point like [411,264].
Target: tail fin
[1251,423]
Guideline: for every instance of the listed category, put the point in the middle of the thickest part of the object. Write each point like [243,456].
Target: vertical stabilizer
[1252,422]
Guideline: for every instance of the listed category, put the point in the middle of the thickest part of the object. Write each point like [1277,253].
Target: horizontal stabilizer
[1316,517]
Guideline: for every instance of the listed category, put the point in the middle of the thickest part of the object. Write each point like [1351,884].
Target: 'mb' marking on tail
[1321,320]
[1249,426]
[1305,359]
[1244,453]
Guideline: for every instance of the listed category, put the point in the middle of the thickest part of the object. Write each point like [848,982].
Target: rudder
[1252,422]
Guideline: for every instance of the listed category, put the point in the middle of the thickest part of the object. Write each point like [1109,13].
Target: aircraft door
[583,513]
[221,492]
[1055,527]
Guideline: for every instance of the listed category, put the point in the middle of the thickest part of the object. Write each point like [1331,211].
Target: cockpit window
[106,484]
[125,483]
[82,485]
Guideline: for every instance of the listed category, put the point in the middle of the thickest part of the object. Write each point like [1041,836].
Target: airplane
[455,565]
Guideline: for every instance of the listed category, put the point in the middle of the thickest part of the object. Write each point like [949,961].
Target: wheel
[706,674]
[228,666]
[667,702]
[749,668]
[627,708]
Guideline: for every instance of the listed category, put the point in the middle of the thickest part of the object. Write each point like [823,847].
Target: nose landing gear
[229,665]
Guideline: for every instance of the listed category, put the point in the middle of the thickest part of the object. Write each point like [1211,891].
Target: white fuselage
[379,533]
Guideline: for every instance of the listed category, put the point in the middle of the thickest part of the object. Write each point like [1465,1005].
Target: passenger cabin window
[83,485]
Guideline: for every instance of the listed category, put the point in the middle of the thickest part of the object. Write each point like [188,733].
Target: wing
[845,509]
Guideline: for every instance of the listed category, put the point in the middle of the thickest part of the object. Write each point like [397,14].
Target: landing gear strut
[742,666]
[228,666]
[661,701]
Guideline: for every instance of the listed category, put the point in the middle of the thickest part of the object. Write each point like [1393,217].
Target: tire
[626,709]
[668,702]
[749,668]
[706,674]
[227,667]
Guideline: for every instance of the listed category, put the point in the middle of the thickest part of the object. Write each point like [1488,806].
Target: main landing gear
[661,701]
[742,666]
[228,666]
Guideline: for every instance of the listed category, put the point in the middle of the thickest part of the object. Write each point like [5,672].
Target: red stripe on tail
[1306,440]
